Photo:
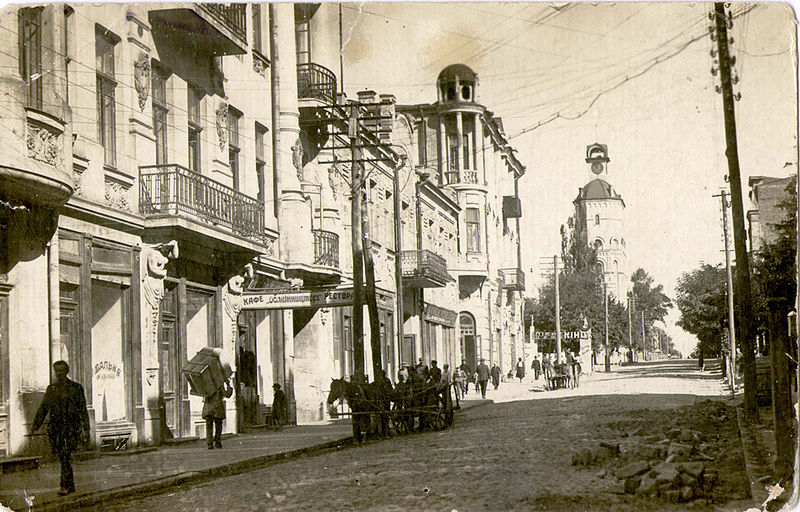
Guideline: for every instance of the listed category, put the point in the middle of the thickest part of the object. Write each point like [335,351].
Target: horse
[365,400]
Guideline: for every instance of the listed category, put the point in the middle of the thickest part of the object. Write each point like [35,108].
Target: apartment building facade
[177,176]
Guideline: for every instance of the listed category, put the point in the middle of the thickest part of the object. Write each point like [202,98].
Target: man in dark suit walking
[69,420]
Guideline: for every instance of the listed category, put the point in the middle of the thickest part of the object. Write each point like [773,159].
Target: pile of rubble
[666,455]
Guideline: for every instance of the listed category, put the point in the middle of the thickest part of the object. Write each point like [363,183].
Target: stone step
[14,464]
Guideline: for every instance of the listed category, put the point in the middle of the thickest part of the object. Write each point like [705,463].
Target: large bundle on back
[206,372]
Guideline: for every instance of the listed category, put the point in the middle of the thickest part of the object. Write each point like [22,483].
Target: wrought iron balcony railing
[454,177]
[316,82]
[326,248]
[232,16]
[174,190]
[424,269]
[512,278]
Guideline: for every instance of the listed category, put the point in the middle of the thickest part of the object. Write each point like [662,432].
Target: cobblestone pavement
[515,454]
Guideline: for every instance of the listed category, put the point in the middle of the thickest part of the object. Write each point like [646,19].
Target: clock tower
[601,211]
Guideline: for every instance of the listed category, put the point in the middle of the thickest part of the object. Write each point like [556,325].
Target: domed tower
[601,211]
[460,127]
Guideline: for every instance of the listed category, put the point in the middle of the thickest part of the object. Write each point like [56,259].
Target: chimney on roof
[366,96]
[386,111]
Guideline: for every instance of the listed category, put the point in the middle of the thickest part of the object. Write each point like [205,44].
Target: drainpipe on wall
[54,299]
[274,77]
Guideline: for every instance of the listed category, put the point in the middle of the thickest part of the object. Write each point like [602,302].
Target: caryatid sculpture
[232,295]
[156,257]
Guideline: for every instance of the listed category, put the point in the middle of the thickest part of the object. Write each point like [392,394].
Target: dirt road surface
[514,454]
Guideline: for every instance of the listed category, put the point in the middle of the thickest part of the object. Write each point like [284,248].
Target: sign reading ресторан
[288,299]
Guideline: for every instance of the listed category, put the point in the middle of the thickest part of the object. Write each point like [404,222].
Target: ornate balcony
[174,192]
[453,177]
[316,82]
[232,16]
[424,269]
[326,248]
[512,279]
[218,29]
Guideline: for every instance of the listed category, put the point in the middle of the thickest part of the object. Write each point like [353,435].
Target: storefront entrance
[468,342]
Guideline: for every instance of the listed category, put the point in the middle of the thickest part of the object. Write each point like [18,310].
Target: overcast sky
[634,76]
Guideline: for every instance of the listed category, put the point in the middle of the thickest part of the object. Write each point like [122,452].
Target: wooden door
[169,358]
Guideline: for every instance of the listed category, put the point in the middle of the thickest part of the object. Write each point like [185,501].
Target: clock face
[597,167]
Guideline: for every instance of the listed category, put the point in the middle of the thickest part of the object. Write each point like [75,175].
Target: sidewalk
[117,476]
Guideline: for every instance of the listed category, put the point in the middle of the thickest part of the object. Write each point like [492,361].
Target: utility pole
[729,274]
[630,329]
[398,260]
[356,190]
[722,21]
[371,294]
[607,358]
[558,312]
[644,340]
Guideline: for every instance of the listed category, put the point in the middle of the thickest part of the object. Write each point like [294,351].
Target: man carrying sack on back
[214,414]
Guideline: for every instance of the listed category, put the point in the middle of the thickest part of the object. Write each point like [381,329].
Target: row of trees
[701,299]
[701,294]
[581,298]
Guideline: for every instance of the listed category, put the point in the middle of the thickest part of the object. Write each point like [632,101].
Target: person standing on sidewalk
[520,369]
[214,413]
[495,373]
[482,374]
[467,374]
[280,406]
[536,366]
[69,421]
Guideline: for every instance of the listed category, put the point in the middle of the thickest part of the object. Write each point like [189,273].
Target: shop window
[108,343]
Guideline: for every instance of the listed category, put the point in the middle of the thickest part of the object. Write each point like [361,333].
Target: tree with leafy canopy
[701,299]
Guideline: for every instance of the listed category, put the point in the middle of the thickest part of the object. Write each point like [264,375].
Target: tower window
[466,93]
[596,220]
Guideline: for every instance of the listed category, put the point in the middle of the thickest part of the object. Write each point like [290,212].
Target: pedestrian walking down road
[482,376]
[547,367]
[495,373]
[459,380]
[280,406]
[520,369]
[69,421]
[467,374]
[446,379]
[214,414]
[536,366]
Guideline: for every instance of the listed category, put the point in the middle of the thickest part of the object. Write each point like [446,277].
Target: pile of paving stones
[668,455]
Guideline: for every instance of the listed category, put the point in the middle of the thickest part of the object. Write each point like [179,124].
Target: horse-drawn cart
[377,408]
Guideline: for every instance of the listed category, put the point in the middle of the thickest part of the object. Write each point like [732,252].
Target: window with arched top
[600,267]
[598,244]
[614,243]
[596,220]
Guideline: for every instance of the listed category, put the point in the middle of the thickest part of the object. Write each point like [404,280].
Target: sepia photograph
[399,256]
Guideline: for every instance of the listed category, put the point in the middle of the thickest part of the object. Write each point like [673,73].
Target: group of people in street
[568,371]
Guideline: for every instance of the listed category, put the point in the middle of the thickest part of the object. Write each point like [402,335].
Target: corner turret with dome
[457,83]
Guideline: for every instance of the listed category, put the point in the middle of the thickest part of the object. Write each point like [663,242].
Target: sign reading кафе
[288,299]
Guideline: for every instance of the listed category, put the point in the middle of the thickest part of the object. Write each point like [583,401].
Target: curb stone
[157,486]
[189,477]
[749,448]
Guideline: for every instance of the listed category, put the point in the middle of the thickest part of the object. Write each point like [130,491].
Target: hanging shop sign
[440,315]
[290,299]
[568,335]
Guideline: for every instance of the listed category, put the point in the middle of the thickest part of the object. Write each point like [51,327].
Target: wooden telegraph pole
[558,312]
[607,358]
[729,275]
[630,327]
[722,21]
[356,190]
